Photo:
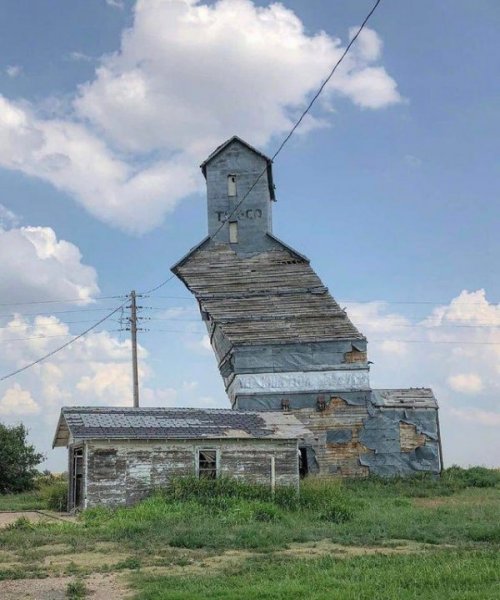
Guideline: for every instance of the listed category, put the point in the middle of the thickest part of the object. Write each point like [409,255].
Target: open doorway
[303,467]
[76,479]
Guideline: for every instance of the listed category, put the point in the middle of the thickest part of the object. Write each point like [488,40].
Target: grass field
[417,538]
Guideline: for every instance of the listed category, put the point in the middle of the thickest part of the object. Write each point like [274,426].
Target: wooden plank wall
[124,472]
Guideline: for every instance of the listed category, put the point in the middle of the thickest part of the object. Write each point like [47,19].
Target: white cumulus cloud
[36,264]
[455,349]
[467,383]
[187,76]
[17,401]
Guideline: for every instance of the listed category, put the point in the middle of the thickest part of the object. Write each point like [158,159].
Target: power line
[290,133]
[456,342]
[160,285]
[299,121]
[56,312]
[61,347]
[61,301]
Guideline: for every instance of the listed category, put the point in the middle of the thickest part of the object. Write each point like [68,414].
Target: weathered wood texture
[272,297]
[409,438]
[124,472]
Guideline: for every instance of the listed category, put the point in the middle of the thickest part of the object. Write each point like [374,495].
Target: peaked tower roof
[220,148]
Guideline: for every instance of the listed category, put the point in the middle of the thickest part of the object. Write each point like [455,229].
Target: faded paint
[283,383]
[124,472]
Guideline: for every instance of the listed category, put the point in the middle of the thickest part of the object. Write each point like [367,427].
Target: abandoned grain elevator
[294,366]
[284,344]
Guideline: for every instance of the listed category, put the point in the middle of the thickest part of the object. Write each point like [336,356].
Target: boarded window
[207,464]
[231,185]
[233,232]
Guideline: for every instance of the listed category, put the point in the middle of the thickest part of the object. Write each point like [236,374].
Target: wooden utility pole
[133,335]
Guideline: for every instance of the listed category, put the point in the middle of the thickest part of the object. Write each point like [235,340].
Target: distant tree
[18,460]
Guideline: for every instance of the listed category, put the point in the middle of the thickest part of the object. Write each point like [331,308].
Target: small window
[233,232]
[231,185]
[207,464]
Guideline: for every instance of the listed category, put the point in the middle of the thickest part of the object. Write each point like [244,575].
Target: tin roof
[92,422]
[404,398]
[225,144]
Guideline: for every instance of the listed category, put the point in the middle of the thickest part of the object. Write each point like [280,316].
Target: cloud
[13,71]
[80,56]
[482,417]
[467,383]
[93,371]
[36,265]
[455,349]
[7,218]
[116,4]
[187,76]
[17,401]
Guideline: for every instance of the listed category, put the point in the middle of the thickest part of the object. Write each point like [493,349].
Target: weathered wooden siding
[124,472]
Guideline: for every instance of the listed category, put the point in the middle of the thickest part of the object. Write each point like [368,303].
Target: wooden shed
[117,456]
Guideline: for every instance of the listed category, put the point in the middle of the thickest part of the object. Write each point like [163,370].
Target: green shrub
[76,590]
[480,477]
[55,496]
[266,512]
[327,498]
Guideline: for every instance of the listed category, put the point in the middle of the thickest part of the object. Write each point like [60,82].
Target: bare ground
[104,571]
[109,586]
[34,516]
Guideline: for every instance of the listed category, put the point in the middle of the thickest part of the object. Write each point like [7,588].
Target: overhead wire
[290,133]
[74,339]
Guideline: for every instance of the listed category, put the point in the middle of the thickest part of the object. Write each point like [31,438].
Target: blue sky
[391,189]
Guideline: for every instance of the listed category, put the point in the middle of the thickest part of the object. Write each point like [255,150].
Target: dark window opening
[303,468]
[77,478]
[207,464]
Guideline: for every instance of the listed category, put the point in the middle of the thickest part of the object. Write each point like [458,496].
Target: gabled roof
[404,398]
[90,423]
[220,148]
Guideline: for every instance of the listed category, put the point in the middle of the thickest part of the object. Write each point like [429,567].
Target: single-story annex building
[117,456]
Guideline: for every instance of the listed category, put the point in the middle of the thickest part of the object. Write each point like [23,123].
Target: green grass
[226,515]
[26,501]
[50,493]
[459,515]
[442,575]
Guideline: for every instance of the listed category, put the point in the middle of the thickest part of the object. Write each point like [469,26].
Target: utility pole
[133,335]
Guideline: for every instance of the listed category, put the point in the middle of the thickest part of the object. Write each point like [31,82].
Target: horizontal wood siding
[124,472]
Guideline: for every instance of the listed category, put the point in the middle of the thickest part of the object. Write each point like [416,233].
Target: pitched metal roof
[85,423]
[405,398]
[220,148]
[271,297]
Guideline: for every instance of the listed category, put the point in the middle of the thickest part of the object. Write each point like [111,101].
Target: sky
[390,187]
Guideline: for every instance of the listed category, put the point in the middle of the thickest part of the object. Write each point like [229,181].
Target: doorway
[76,479]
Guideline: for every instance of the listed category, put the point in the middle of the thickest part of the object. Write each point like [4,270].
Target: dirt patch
[326,547]
[101,587]
[201,566]
[8,518]
[86,561]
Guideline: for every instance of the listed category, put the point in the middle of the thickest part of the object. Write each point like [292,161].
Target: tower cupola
[240,192]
